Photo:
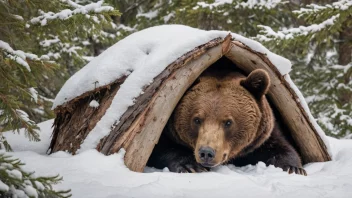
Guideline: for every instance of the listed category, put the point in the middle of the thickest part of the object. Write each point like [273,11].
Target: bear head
[221,118]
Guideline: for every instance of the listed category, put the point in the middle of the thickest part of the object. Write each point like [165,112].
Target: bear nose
[206,154]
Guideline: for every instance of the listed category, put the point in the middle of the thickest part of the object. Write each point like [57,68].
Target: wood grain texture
[310,145]
[140,127]
[161,107]
[75,119]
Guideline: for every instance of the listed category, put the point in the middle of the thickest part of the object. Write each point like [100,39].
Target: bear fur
[225,119]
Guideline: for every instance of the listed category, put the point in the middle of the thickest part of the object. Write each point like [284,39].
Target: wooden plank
[157,103]
[310,144]
[161,107]
[75,119]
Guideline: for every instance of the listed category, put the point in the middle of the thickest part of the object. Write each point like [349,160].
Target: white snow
[126,28]
[270,34]
[314,8]
[213,5]
[34,94]
[250,4]
[93,175]
[259,4]
[49,42]
[30,191]
[168,17]
[39,185]
[94,104]
[3,187]
[18,55]
[21,142]
[141,60]
[14,174]
[149,15]
[24,116]
[67,13]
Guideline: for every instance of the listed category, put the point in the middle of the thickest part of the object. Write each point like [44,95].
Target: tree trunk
[345,57]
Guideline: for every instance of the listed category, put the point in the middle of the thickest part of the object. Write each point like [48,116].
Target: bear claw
[187,168]
[296,170]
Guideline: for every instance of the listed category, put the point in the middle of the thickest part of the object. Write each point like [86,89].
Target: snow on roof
[142,56]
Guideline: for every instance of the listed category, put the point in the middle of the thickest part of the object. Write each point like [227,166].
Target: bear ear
[257,82]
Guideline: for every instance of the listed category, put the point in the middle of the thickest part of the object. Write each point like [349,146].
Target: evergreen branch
[93,8]
[250,4]
[269,34]
[71,3]
[316,9]
[135,5]
[18,55]
[255,4]
[13,180]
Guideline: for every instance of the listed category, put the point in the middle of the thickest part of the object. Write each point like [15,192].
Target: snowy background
[93,175]
[37,35]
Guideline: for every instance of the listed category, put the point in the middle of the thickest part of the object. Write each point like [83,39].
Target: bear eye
[197,121]
[228,123]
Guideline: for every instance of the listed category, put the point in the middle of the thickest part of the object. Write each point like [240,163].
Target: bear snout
[206,155]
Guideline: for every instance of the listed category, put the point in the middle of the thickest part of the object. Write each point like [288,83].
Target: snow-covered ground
[93,175]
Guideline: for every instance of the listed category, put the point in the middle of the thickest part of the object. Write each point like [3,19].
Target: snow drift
[91,174]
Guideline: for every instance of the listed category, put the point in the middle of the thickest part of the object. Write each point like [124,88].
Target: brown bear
[225,119]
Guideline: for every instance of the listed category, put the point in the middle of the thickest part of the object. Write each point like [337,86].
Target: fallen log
[140,126]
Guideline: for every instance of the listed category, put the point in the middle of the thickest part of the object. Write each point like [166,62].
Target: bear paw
[293,169]
[186,167]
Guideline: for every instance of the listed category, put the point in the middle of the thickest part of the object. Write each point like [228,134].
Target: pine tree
[41,45]
[238,16]
[38,53]
[323,71]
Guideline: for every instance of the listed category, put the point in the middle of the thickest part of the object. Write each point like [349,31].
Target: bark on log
[75,119]
[140,127]
[285,100]
[161,107]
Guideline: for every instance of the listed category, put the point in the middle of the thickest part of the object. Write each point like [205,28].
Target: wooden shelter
[139,128]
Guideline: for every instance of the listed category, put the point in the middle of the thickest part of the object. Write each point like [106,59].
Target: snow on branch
[61,47]
[259,4]
[345,68]
[149,15]
[18,55]
[17,181]
[67,13]
[313,8]
[71,3]
[34,94]
[126,28]
[213,5]
[24,117]
[269,34]
[250,4]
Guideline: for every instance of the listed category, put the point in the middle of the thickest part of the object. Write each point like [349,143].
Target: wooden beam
[140,127]
[311,146]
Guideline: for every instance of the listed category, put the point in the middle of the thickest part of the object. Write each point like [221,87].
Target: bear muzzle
[206,156]
[211,147]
